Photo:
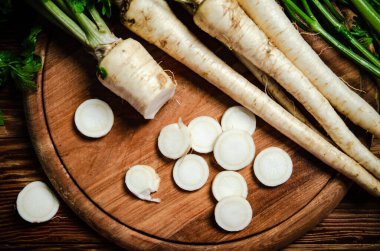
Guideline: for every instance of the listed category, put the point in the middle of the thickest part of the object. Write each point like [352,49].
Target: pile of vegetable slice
[233,148]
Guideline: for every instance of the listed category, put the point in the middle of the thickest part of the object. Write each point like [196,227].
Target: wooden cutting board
[89,173]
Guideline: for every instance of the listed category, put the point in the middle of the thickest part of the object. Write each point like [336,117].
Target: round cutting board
[89,173]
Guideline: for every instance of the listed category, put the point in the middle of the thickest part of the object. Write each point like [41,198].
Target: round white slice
[190,172]
[36,203]
[94,118]
[229,183]
[174,140]
[240,118]
[234,149]
[273,166]
[233,213]
[204,130]
[142,180]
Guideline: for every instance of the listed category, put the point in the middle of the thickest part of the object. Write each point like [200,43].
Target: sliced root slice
[229,183]
[233,213]
[142,180]
[204,130]
[36,203]
[190,172]
[240,118]
[94,118]
[174,140]
[234,149]
[273,166]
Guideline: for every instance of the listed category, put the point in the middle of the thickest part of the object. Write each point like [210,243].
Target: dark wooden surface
[353,225]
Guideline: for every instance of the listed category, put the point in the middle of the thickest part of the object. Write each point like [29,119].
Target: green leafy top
[23,67]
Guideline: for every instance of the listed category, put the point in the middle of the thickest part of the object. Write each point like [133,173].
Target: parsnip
[154,21]
[240,118]
[226,21]
[204,131]
[135,76]
[233,213]
[269,16]
[125,67]
[36,203]
[190,172]
[94,118]
[273,166]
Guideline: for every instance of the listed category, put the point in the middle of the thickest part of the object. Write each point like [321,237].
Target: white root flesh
[142,180]
[275,91]
[190,172]
[229,183]
[226,21]
[174,140]
[94,118]
[155,22]
[36,203]
[239,118]
[233,213]
[273,166]
[135,76]
[203,132]
[269,16]
[234,149]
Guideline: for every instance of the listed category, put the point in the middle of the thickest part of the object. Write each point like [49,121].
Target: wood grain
[82,171]
[358,212]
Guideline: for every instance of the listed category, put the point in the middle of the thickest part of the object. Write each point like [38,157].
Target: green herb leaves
[24,67]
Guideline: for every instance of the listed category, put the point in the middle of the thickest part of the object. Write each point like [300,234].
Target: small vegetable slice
[234,149]
[229,183]
[233,213]
[94,118]
[174,140]
[239,117]
[36,203]
[204,130]
[190,172]
[142,180]
[273,166]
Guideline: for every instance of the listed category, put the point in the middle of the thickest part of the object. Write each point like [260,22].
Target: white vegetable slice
[142,180]
[174,140]
[240,118]
[204,130]
[233,213]
[94,118]
[229,183]
[190,172]
[234,149]
[273,166]
[36,203]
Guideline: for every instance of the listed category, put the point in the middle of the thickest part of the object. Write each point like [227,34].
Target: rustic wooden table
[353,225]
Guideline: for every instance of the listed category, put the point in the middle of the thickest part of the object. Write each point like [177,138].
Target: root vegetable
[229,183]
[203,132]
[125,67]
[142,180]
[94,118]
[233,213]
[273,166]
[234,149]
[154,21]
[135,76]
[226,21]
[239,118]
[174,140]
[190,172]
[36,203]
[275,90]
[269,16]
